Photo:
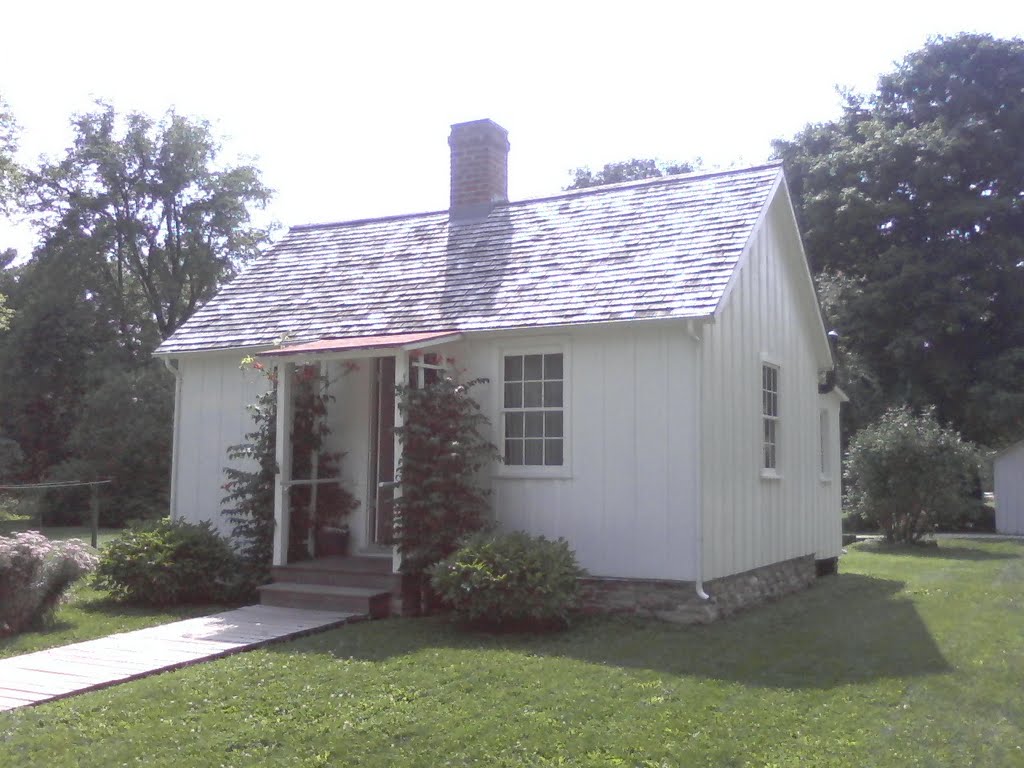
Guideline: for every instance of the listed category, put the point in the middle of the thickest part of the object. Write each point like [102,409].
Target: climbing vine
[250,482]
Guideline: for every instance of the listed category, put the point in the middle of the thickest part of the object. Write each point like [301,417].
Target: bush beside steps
[510,581]
[170,562]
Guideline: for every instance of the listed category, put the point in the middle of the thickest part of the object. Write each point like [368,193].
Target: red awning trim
[390,341]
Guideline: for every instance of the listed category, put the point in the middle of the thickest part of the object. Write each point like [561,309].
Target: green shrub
[510,580]
[35,574]
[908,475]
[444,451]
[170,562]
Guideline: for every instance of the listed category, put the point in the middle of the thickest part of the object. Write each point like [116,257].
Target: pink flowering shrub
[35,574]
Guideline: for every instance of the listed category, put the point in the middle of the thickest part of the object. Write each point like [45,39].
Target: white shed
[1009,489]
[655,351]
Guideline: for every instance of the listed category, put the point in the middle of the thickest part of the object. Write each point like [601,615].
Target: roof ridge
[674,178]
[366,220]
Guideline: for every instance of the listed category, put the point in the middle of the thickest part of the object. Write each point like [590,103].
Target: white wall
[750,521]
[211,415]
[628,500]
[1009,490]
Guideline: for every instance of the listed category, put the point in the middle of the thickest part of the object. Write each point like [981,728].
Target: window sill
[533,473]
[770,474]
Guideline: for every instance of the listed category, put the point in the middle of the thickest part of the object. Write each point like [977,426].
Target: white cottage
[1008,468]
[660,377]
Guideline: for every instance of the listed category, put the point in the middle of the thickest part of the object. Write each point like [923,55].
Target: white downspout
[175,435]
[699,583]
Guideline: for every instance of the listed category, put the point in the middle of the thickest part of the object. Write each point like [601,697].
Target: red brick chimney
[479,168]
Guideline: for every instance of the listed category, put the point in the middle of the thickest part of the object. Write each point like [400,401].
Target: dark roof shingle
[663,248]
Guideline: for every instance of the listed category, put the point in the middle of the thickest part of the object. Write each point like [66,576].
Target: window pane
[514,452]
[513,425]
[535,424]
[769,431]
[514,368]
[552,394]
[532,367]
[553,453]
[514,395]
[553,366]
[553,424]
[534,453]
[531,394]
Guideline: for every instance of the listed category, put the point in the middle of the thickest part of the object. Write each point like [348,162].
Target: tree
[148,206]
[10,180]
[628,170]
[10,173]
[59,342]
[912,203]
[441,501]
[907,475]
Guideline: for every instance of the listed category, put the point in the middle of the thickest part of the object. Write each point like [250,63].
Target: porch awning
[406,341]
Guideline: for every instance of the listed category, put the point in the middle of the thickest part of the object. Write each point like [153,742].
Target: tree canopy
[140,223]
[628,170]
[146,202]
[912,208]
[10,173]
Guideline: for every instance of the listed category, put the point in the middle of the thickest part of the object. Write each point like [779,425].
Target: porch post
[283,454]
[401,377]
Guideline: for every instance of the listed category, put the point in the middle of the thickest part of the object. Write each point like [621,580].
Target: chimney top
[479,170]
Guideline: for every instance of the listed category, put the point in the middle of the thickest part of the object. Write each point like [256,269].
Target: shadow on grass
[942,551]
[847,629]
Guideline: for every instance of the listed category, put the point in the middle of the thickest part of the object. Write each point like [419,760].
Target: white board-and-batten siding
[211,414]
[750,520]
[626,499]
[1009,490]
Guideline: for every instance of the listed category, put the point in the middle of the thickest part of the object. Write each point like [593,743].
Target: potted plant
[331,537]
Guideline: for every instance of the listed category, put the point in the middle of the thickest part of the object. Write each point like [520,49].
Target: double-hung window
[533,409]
[770,418]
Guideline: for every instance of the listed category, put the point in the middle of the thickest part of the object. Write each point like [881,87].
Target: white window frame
[770,472]
[418,367]
[542,346]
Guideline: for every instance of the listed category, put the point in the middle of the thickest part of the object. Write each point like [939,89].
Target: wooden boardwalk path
[57,672]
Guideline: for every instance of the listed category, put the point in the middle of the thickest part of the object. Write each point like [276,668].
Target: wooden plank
[46,675]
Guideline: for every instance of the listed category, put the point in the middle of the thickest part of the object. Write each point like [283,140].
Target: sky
[346,107]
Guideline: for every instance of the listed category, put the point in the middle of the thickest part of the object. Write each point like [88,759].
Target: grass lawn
[903,660]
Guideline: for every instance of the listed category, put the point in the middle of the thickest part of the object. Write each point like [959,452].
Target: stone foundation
[677,601]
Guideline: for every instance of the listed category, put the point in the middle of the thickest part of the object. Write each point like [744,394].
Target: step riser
[390,582]
[381,565]
[376,608]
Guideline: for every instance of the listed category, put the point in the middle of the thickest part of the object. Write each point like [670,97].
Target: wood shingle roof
[662,248]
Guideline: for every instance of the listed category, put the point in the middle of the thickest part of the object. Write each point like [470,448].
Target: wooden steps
[364,585]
